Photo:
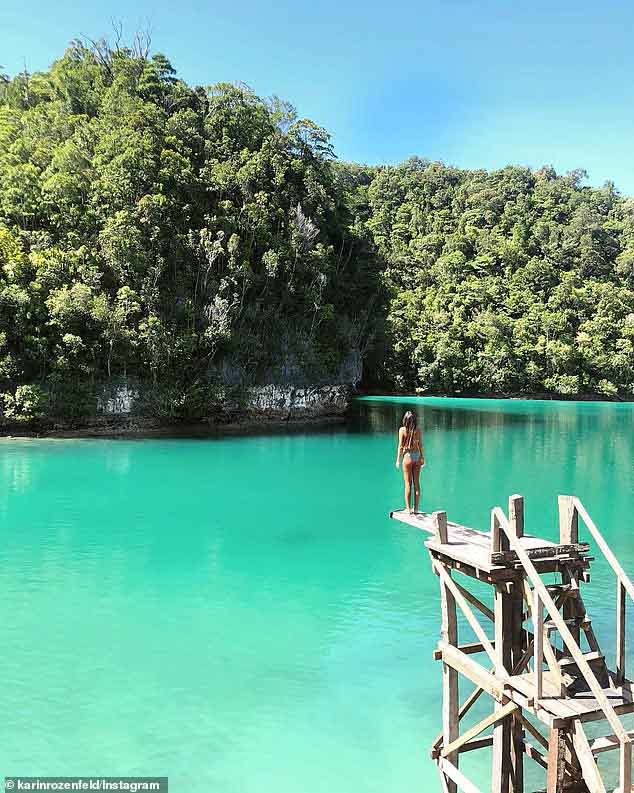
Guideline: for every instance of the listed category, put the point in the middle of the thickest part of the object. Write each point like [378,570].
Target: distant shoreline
[537,396]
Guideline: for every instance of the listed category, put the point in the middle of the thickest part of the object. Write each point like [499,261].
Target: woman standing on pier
[410,446]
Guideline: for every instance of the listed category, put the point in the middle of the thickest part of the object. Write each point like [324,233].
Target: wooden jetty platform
[545,673]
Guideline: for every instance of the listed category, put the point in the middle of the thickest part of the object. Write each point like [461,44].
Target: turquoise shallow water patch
[240,614]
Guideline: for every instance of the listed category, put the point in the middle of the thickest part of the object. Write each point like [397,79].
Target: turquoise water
[241,615]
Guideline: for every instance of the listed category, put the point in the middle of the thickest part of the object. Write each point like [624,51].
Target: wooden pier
[545,673]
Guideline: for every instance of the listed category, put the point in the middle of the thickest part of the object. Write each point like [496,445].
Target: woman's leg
[407,476]
[416,477]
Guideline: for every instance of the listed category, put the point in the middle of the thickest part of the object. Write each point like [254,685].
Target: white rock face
[274,400]
[119,402]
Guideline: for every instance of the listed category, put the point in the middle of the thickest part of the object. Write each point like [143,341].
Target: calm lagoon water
[240,614]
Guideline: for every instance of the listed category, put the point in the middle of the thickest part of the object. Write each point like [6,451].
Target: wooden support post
[439,519]
[568,521]
[519,639]
[569,535]
[516,515]
[625,775]
[501,767]
[620,632]
[556,761]
[586,760]
[538,619]
[496,534]
[450,703]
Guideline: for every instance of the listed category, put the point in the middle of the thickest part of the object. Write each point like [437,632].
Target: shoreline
[143,428]
[132,427]
[538,396]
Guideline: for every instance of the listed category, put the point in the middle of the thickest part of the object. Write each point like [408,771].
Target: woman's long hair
[410,422]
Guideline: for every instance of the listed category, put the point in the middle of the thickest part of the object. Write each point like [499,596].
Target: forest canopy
[192,238]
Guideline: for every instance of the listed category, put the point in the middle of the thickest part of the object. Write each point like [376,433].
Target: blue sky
[476,84]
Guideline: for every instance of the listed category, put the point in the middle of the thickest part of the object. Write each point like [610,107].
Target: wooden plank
[475,601]
[516,515]
[479,743]
[535,754]
[591,775]
[529,727]
[458,778]
[605,549]
[568,520]
[439,519]
[564,632]
[465,707]
[467,649]
[556,761]
[501,765]
[477,628]
[473,671]
[450,703]
[492,718]
[538,617]
[606,743]
[625,770]
[620,632]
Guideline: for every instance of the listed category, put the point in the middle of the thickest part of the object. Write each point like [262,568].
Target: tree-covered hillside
[511,281]
[181,236]
[190,238]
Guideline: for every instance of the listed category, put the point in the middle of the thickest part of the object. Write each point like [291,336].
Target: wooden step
[567,662]
[574,622]
[606,743]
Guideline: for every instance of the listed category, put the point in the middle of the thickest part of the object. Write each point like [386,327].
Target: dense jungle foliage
[191,238]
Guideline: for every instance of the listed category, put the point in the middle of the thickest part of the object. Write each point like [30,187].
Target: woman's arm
[399,447]
[422,451]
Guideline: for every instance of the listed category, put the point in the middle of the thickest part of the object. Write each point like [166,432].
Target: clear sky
[476,83]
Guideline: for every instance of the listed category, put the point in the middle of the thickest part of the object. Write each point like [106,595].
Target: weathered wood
[458,778]
[591,774]
[450,703]
[471,598]
[625,771]
[440,526]
[556,761]
[501,762]
[564,632]
[620,632]
[516,515]
[465,707]
[607,743]
[479,743]
[535,754]
[467,649]
[477,628]
[538,617]
[492,718]
[610,557]
[473,671]
[568,520]
[532,729]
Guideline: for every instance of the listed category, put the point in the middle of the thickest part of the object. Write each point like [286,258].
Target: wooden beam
[625,770]
[535,754]
[516,515]
[611,558]
[620,632]
[475,601]
[606,743]
[532,729]
[479,743]
[473,671]
[467,649]
[501,765]
[458,778]
[538,617]
[464,709]
[568,520]
[477,628]
[591,774]
[439,520]
[492,718]
[450,703]
[556,761]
